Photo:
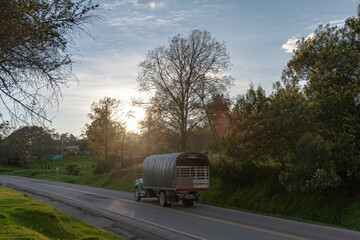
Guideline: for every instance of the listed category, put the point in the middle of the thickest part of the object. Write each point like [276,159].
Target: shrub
[234,176]
[311,168]
[73,169]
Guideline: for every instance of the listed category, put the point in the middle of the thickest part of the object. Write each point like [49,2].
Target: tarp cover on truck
[159,171]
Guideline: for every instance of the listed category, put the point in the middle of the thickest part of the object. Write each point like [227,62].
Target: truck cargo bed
[192,177]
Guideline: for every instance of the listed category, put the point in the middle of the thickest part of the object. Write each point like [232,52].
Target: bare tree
[35,58]
[183,78]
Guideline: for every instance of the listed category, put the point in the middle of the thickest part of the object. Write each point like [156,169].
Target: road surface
[197,222]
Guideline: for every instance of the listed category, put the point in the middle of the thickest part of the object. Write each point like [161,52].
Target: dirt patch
[108,180]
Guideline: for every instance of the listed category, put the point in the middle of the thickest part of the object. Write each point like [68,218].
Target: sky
[259,34]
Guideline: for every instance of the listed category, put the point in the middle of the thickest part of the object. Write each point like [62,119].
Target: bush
[234,176]
[99,170]
[111,164]
[311,168]
[73,169]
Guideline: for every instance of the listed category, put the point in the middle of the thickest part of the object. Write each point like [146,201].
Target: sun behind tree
[105,133]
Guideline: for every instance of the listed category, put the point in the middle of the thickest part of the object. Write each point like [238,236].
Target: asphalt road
[197,222]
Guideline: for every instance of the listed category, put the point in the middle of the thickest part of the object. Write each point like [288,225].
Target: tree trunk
[183,132]
[212,125]
[183,142]
[106,141]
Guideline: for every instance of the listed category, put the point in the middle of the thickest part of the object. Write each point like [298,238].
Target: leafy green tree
[155,137]
[289,118]
[311,168]
[31,143]
[35,55]
[105,132]
[310,124]
[246,141]
[253,101]
[68,139]
[38,140]
[266,129]
[14,151]
[4,129]
[328,65]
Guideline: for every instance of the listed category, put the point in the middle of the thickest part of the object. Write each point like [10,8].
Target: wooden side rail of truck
[174,177]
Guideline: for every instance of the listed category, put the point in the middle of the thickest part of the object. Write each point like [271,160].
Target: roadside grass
[24,218]
[340,208]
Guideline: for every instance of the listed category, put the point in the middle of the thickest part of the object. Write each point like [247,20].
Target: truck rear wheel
[163,199]
[136,194]
[188,202]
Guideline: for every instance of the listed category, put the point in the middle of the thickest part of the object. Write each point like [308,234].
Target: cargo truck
[173,177]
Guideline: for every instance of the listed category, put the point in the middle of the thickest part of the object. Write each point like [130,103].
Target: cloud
[152,5]
[118,3]
[133,3]
[134,23]
[290,45]
[339,22]
[310,36]
[128,21]
[148,21]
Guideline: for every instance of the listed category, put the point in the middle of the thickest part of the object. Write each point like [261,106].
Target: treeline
[306,132]
[34,144]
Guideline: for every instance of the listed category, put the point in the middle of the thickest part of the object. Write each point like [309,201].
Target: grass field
[119,180]
[23,218]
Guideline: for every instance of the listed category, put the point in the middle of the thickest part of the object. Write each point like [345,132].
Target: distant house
[73,149]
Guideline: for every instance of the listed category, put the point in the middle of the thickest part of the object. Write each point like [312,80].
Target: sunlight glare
[132,124]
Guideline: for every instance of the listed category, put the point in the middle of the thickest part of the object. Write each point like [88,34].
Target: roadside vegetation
[23,218]
[121,179]
[257,189]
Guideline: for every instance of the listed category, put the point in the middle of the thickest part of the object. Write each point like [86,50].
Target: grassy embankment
[23,218]
[119,180]
[340,207]
[248,192]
